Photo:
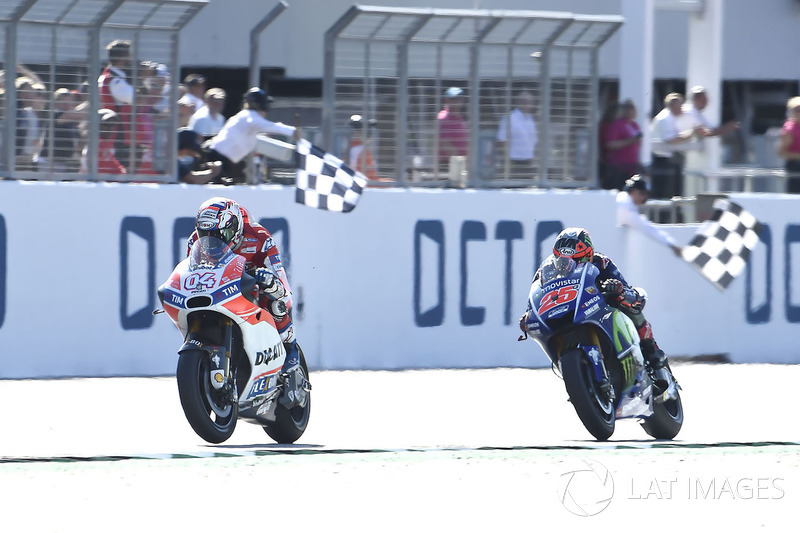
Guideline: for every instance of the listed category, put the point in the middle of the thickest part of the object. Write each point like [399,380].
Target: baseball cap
[187,140]
[697,89]
[453,92]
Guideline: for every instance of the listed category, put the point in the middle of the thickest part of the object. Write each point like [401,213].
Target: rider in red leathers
[225,219]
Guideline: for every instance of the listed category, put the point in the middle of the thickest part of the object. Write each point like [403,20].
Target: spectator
[28,131]
[237,139]
[185,112]
[789,144]
[453,131]
[517,134]
[195,85]
[117,94]
[107,162]
[623,140]
[673,133]
[69,111]
[633,195]
[146,99]
[361,158]
[189,152]
[208,120]
[695,112]
[610,114]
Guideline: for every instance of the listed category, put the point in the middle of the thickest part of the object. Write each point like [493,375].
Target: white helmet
[222,218]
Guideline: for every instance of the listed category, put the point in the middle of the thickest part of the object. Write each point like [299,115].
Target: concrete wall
[411,278]
[760,38]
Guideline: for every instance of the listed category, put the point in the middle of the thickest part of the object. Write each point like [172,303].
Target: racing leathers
[264,263]
[621,295]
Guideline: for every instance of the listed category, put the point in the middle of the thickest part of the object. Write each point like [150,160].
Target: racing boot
[296,386]
[657,361]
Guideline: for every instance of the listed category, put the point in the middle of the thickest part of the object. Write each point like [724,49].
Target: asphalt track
[435,450]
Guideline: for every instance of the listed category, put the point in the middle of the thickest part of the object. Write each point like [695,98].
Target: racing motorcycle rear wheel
[667,419]
[290,424]
[594,408]
[209,411]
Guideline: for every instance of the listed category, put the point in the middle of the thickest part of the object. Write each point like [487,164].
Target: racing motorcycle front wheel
[210,412]
[291,423]
[594,408]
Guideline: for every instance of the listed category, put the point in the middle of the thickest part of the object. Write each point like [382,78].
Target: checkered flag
[721,247]
[324,181]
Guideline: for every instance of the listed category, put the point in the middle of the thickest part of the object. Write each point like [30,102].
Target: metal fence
[396,65]
[52,123]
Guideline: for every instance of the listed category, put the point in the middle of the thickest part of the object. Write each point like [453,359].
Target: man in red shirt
[225,219]
[117,94]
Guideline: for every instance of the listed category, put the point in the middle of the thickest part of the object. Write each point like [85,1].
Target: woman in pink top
[789,147]
[622,142]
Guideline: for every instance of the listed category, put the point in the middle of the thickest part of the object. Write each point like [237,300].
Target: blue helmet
[257,99]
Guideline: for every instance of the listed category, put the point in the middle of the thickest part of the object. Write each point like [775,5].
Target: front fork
[594,354]
[220,374]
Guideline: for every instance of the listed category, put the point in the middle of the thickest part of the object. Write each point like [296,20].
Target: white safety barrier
[410,279]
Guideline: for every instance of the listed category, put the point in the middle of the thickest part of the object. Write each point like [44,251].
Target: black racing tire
[667,419]
[290,424]
[594,409]
[206,409]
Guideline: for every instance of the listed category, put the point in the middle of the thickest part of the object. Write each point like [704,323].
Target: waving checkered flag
[721,247]
[324,181]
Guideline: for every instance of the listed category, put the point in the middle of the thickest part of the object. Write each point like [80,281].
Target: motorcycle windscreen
[208,252]
[555,298]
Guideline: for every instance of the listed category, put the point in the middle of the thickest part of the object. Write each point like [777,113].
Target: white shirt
[120,89]
[204,124]
[523,135]
[696,116]
[237,138]
[190,99]
[665,127]
[628,216]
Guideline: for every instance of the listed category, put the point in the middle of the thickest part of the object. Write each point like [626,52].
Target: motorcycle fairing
[217,275]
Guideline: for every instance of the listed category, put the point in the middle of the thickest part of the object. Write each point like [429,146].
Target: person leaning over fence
[517,134]
[789,145]
[237,139]
[634,195]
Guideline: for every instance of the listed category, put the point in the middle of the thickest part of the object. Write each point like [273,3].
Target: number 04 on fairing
[230,363]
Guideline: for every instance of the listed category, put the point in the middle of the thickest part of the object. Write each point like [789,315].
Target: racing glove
[271,285]
[613,288]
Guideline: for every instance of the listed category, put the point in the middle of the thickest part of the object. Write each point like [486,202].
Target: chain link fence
[465,97]
[55,119]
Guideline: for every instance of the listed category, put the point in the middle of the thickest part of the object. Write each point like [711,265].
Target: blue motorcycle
[595,347]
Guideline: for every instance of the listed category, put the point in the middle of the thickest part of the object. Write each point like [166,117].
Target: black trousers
[666,176]
[793,176]
[232,173]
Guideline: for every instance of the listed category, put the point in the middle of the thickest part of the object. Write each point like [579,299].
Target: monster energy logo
[621,329]
[627,367]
